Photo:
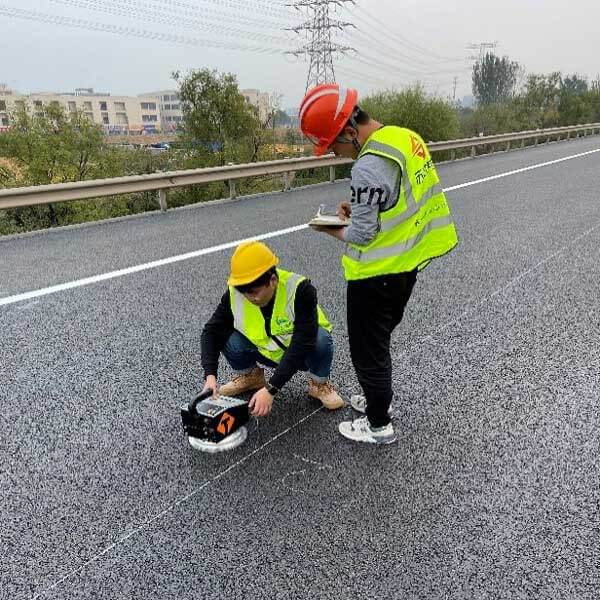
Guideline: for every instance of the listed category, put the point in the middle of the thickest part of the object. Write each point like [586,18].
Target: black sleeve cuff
[278,381]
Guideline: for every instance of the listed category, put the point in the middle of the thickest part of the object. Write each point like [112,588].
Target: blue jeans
[243,355]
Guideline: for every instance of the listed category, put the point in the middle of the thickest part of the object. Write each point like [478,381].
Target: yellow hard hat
[249,261]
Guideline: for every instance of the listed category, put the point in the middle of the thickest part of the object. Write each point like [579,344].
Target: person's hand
[261,403]
[210,384]
[344,210]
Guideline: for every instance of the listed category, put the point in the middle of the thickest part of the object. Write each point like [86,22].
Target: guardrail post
[523,143]
[507,146]
[547,139]
[568,135]
[332,174]
[473,151]
[535,141]
[232,191]
[231,182]
[288,177]
[585,133]
[452,154]
[162,199]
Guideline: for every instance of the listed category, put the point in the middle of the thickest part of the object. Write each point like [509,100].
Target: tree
[52,146]
[433,118]
[575,84]
[538,105]
[216,115]
[494,79]
[293,137]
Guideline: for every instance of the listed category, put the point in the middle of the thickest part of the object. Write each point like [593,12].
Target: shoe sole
[329,406]
[373,443]
[234,393]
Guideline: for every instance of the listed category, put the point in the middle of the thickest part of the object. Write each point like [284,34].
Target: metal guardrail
[162,182]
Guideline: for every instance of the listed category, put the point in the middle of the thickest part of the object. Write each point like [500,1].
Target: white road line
[263,236]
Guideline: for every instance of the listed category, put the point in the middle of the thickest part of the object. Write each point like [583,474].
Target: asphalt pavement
[491,492]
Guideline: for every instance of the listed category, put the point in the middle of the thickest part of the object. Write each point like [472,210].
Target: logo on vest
[417,147]
[282,321]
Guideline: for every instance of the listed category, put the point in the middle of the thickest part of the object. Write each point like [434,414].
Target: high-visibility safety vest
[419,227]
[249,321]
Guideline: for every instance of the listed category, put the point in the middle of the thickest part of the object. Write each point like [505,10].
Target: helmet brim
[253,276]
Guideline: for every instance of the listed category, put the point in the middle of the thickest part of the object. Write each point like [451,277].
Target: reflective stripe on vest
[402,247]
[249,321]
[418,227]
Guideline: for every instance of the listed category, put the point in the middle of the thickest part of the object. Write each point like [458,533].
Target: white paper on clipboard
[324,220]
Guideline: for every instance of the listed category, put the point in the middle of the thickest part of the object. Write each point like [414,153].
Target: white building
[116,114]
[171,109]
[171,112]
[260,100]
[159,111]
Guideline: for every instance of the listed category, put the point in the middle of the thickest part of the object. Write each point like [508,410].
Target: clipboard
[324,220]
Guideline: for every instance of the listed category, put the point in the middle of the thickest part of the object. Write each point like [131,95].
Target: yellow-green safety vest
[249,321]
[419,227]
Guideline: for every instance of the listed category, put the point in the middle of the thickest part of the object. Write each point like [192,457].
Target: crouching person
[269,317]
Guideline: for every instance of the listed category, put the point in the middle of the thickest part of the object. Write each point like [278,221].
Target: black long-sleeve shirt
[217,330]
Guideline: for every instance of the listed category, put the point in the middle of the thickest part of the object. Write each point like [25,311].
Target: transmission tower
[482,47]
[320,48]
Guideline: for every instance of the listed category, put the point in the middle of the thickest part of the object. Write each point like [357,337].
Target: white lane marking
[143,267]
[263,236]
[174,505]
[522,170]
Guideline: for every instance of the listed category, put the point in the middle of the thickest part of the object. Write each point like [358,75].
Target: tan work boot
[248,382]
[325,393]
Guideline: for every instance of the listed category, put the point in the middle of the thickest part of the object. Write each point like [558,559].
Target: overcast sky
[398,41]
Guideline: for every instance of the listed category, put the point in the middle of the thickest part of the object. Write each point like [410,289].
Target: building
[260,100]
[116,114]
[171,109]
[171,112]
[154,112]
[5,101]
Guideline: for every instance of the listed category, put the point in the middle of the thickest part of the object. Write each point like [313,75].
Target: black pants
[375,307]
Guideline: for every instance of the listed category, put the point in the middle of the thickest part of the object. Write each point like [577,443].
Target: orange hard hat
[324,112]
[249,261]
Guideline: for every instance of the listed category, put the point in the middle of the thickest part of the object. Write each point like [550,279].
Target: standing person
[400,223]
[268,316]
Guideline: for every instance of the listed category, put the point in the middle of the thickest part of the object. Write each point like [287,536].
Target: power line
[482,47]
[167,8]
[388,68]
[156,16]
[402,40]
[382,46]
[28,15]
[254,7]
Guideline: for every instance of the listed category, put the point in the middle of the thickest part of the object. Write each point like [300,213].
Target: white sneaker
[359,403]
[360,430]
